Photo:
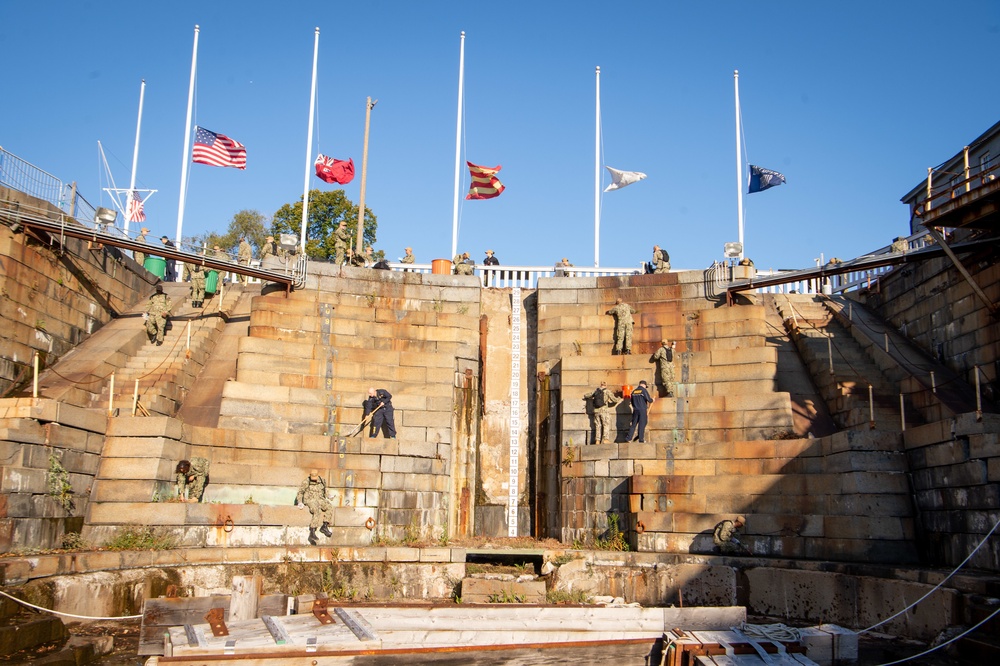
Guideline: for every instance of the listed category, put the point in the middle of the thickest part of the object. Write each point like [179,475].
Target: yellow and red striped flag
[485,184]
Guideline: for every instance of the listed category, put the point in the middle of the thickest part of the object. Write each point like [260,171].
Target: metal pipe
[829,350]
[135,397]
[871,407]
[979,397]
[902,413]
[933,384]
[34,381]
[111,394]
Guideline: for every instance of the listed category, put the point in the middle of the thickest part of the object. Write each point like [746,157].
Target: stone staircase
[844,383]
[295,397]
[160,376]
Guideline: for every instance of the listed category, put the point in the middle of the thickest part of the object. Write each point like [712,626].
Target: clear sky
[851,101]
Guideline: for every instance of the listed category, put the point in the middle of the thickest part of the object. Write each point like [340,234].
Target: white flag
[620,179]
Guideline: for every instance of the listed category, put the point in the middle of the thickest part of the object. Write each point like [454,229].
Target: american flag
[218,150]
[134,211]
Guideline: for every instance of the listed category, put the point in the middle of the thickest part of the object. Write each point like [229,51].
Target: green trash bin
[156,265]
[211,281]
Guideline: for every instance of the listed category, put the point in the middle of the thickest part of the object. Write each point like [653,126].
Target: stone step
[29,631]
[502,589]
[851,550]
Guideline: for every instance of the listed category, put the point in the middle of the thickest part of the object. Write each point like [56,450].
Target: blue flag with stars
[761,179]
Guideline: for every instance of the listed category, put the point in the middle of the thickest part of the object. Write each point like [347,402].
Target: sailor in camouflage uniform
[622,313]
[664,359]
[312,495]
[342,241]
[196,273]
[661,260]
[140,257]
[157,310]
[604,413]
[190,479]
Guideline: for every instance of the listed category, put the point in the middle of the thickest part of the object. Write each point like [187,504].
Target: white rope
[770,632]
[946,643]
[54,612]
[934,589]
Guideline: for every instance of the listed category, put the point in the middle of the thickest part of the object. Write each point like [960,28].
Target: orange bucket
[626,390]
[441,266]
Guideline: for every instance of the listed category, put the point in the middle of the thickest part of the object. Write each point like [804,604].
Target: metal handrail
[63,225]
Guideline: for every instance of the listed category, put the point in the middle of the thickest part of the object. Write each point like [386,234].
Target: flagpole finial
[196,27]
[317,30]
[463,34]
[736,72]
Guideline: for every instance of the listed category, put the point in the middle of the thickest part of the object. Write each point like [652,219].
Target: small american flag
[218,150]
[134,211]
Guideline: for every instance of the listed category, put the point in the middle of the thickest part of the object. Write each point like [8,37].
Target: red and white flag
[218,150]
[133,210]
[331,170]
[485,184]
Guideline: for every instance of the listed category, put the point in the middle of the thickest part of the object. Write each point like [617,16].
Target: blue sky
[852,101]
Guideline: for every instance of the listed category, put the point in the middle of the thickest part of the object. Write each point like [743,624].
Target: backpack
[599,398]
[664,255]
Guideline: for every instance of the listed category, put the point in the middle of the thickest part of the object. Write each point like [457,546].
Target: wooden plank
[253,636]
[162,613]
[486,637]
[551,654]
[245,597]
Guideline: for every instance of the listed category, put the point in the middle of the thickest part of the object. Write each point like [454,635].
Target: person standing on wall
[379,404]
[664,359]
[622,312]
[641,400]
[604,413]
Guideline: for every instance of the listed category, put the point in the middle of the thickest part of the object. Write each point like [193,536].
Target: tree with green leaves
[249,223]
[326,210]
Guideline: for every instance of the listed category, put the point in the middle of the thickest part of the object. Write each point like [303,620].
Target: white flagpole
[597,174]
[187,145]
[458,147]
[135,153]
[309,141]
[739,162]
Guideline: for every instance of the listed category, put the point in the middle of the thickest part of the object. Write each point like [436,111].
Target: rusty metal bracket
[320,611]
[216,620]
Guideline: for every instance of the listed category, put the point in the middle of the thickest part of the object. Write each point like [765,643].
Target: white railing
[525,277]
[843,282]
